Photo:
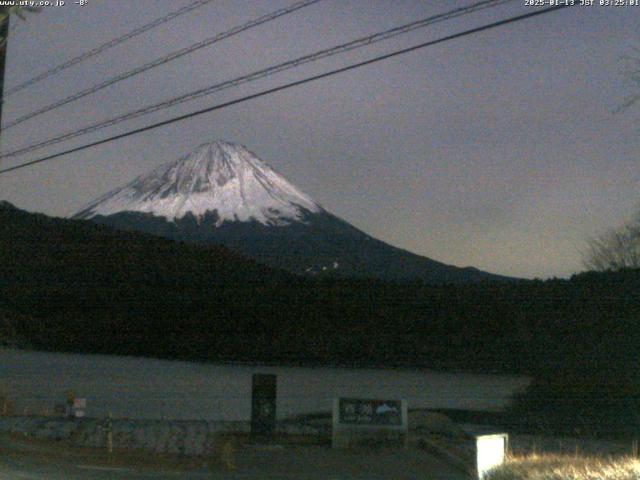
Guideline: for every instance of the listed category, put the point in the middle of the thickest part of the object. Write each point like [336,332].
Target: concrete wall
[139,388]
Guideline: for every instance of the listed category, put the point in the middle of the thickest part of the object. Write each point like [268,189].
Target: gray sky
[499,150]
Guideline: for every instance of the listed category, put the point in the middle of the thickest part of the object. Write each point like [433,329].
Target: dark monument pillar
[263,404]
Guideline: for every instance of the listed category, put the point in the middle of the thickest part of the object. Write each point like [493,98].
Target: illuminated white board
[491,452]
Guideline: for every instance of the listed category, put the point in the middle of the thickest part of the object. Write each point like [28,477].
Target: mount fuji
[221,193]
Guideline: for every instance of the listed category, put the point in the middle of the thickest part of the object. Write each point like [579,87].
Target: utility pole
[4,38]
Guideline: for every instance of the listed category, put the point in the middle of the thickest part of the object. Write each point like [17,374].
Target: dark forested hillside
[321,242]
[76,286]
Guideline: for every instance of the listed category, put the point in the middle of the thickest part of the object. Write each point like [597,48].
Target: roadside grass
[566,467]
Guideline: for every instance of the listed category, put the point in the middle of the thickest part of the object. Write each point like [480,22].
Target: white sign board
[79,405]
[491,451]
[357,418]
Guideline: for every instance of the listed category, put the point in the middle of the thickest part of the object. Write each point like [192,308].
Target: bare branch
[615,249]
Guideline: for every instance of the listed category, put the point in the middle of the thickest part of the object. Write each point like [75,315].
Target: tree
[615,249]
[619,248]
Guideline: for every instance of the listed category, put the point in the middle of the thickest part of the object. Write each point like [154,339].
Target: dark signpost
[357,419]
[263,404]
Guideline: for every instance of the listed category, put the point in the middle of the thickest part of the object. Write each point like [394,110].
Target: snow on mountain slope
[219,177]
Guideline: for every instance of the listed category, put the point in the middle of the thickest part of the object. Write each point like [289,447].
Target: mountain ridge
[223,194]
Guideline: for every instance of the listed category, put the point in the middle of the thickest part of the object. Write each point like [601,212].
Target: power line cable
[345,47]
[105,46]
[289,85]
[162,60]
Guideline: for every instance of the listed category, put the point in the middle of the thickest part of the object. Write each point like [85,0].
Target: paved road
[21,460]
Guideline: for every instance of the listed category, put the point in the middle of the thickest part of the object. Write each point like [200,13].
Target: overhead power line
[289,85]
[105,46]
[162,60]
[328,52]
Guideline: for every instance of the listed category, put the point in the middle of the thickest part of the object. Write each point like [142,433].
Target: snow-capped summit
[220,178]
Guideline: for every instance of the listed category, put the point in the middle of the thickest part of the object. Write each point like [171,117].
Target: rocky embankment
[160,436]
